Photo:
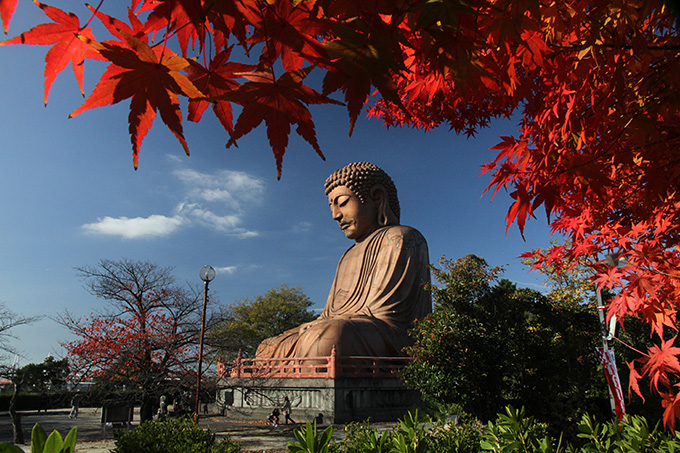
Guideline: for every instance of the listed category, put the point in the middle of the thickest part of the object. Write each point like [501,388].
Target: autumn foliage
[595,85]
[122,351]
[145,338]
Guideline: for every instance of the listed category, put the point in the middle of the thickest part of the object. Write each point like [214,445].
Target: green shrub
[512,432]
[461,437]
[413,433]
[308,440]
[630,436]
[361,438]
[515,432]
[181,435]
[42,443]
[409,434]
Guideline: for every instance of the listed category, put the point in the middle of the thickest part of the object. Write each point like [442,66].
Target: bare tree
[146,335]
[8,321]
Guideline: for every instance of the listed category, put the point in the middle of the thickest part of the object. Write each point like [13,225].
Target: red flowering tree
[595,82]
[145,339]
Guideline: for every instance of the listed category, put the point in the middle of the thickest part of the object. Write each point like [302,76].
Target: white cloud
[138,227]
[225,270]
[228,223]
[216,201]
[234,188]
[302,227]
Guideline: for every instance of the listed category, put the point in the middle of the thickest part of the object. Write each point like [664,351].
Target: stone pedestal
[339,400]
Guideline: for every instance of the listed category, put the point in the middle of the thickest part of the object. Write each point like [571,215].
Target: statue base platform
[339,401]
[341,389]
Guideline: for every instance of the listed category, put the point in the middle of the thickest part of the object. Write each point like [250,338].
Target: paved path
[92,439]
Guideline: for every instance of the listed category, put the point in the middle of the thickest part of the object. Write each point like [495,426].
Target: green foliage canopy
[573,285]
[243,325]
[48,375]
[486,345]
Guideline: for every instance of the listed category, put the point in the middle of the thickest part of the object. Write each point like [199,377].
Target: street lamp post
[207,273]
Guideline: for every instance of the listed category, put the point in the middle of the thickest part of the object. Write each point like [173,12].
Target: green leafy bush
[414,433]
[512,432]
[515,432]
[361,438]
[41,443]
[547,363]
[409,434]
[633,435]
[464,436]
[308,440]
[181,435]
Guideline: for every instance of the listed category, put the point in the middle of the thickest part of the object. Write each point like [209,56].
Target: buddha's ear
[385,215]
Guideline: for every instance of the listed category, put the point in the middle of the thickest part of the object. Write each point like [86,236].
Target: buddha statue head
[362,198]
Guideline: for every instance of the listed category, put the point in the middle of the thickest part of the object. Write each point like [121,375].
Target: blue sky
[69,197]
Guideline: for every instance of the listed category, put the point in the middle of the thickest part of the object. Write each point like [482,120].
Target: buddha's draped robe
[378,291]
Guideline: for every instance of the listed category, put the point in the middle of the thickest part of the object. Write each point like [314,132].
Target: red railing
[314,367]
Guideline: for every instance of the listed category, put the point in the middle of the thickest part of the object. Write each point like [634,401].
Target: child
[274,417]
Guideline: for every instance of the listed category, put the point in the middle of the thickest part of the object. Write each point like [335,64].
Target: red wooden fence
[314,367]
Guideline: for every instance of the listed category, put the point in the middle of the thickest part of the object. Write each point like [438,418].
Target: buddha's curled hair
[360,178]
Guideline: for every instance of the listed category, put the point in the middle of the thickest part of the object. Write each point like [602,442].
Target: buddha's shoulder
[408,234]
[402,230]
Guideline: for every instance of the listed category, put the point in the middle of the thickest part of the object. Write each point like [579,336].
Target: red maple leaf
[279,103]
[63,33]
[671,401]
[520,209]
[611,276]
[360,60]
[288,30]
[227,19]
[116,27]
[662,361]
[215,81]
[634,377]
[185,18]
[7,8]
[150,77]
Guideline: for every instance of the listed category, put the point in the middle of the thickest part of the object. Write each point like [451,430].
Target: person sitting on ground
[274,417]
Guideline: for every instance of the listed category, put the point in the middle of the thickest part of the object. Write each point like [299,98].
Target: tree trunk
[17,431]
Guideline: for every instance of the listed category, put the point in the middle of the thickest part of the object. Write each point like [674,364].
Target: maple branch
[630,347]
[94,13]
[263,6]
[612,46]
[653,271]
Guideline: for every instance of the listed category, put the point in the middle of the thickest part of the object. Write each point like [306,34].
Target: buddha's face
[356,219]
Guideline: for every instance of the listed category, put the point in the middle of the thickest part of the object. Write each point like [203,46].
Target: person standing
[287,410]
[75,405]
